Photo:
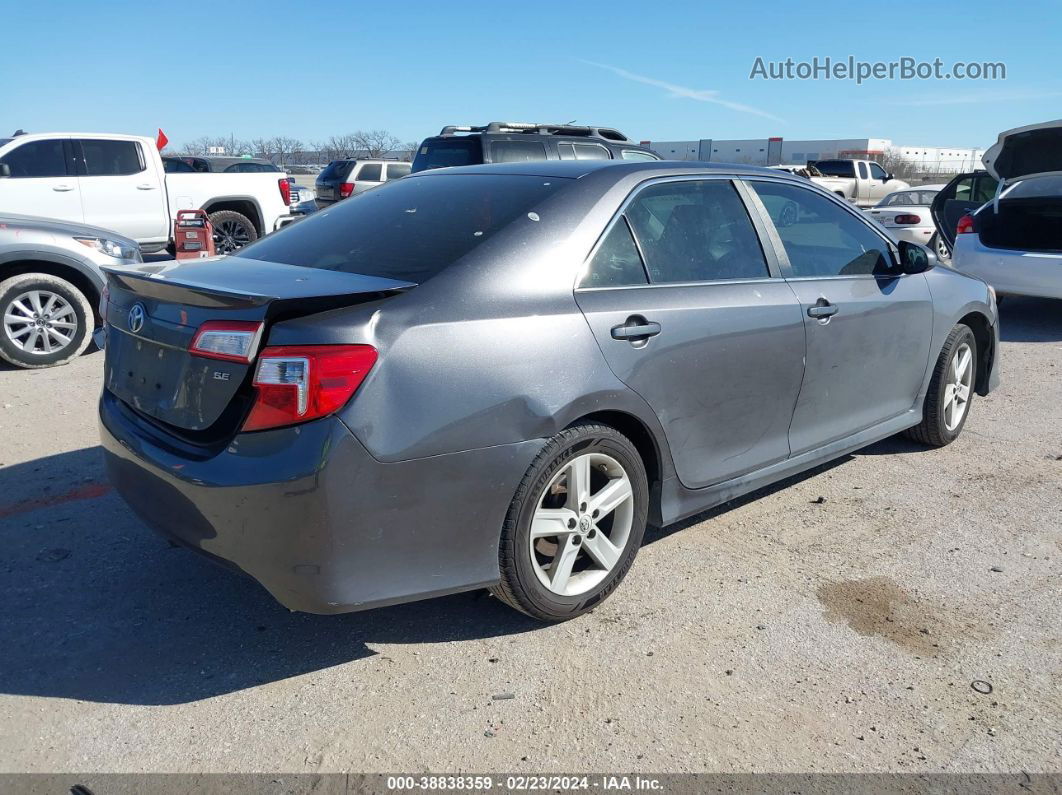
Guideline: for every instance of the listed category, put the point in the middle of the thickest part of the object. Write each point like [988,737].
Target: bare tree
[410,149]
[375,143]
[282,147]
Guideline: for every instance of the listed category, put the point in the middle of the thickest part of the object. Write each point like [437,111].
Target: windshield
[446,152]
[408,229]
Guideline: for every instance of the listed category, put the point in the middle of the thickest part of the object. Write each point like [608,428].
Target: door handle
[635,329]
[145,186]
[62,188]
[822,309]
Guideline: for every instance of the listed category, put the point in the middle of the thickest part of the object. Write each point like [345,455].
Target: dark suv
[511,142]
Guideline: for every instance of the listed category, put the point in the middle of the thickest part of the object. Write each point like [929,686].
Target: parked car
[231,165]
[176,165]
[513,142]
[343,178]
[494,376]
[50,286]
[119,182]
[801,171]
[964,194]
[1014,240]
[862,182]
[905,213]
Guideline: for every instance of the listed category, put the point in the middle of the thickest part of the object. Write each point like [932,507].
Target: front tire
[44,321]
[951,390]
[574,525]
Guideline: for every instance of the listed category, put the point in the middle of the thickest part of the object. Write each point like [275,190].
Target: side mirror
[887,178]
[915,258]
[5,170]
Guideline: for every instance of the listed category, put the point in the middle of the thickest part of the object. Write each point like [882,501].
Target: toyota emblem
[136,318]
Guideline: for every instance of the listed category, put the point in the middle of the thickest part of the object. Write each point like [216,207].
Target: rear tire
[575,524]
[57,323]
[951,390]
[940,248]
[232,231]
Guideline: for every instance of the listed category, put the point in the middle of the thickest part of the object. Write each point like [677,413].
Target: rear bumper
[314,518]
[1037,274]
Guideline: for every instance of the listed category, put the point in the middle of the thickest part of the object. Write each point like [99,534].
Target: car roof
[574,169]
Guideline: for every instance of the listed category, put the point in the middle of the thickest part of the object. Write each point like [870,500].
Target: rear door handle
[635,329]
[62,188]
[822,309]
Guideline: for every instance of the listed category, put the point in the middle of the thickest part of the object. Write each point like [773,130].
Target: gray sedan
[496,376]
[50,284]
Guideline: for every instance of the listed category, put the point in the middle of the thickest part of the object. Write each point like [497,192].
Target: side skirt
[678,502]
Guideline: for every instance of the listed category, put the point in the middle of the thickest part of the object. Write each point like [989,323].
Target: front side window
[37,159]
[634,154]
[964,189]
[877,172]
[820,238]
[517,151]
[695,230]
[616,263]
[111,158]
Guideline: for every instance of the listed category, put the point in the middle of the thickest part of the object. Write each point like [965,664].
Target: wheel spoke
[31,343]
[64,324]
[552,522]
[949,393]
[26,329]
[19,319]
[615,493]
[578,482]
[561,570]
[35,300]
[603,551]
[962,392]
[962,361]
[62,339]
[21,307]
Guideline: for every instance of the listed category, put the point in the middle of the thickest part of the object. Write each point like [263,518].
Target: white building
[776,150]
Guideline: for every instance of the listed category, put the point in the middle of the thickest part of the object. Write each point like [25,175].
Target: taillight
[965,225]
[228,340]
[298,383]
[346,189]
[907,218]
[285,189]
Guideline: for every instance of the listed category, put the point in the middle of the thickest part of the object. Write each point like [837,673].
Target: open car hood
[1026,151]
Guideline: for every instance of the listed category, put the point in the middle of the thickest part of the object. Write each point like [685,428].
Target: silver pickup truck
[862,182]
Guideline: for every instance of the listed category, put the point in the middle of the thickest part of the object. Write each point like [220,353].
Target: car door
[868,325]
[368,176]
[42,181]
[879,182]
[964,194]
[693,315]
[121,189]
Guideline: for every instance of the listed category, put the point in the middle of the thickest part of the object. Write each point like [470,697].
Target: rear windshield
[836,168]
[1037,188]
[337,169]
[446,152]
[408,229]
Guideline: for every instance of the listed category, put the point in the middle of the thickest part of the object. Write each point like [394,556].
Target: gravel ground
[780,633]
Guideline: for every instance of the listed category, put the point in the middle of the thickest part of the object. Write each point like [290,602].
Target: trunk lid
[1026,151]
[154,311]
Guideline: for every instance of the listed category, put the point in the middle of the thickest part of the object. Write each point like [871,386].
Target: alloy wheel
[581,525]
[40,322]
[957,390]
[229,236]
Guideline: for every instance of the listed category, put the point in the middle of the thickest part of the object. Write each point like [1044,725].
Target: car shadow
[1030,319]
[99,608]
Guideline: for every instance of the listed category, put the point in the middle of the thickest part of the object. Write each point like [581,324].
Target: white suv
[343,178]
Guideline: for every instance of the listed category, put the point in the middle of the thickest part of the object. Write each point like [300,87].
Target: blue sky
[661,71]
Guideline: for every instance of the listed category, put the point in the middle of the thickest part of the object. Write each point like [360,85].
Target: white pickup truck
[862,182]
[118,182]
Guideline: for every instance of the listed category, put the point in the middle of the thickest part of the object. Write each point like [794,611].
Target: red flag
[161,140]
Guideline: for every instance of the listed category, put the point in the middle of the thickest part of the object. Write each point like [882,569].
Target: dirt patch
[878,606]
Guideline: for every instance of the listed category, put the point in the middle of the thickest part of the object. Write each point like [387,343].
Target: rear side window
[111,158]
[37,159]
[591,152]
[696,230]
[517,151]
[448,152]
[397,170]
[862,170]
[410,229]
[616,263]
[370,172]
[822,239]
